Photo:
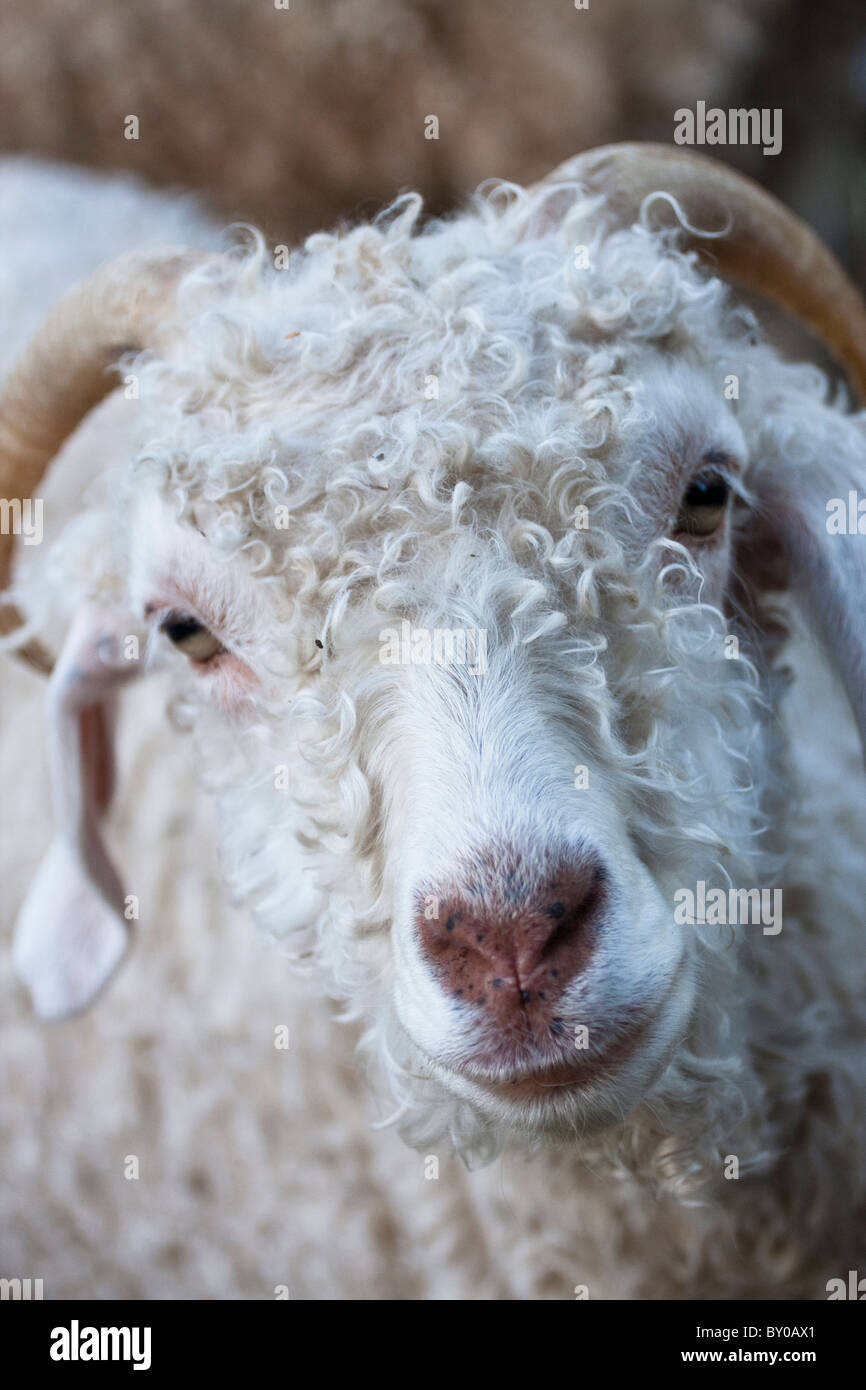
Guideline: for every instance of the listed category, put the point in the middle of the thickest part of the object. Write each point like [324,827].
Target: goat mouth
[552,1079]
[547,1081]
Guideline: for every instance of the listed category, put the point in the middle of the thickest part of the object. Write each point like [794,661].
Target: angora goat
[478,550]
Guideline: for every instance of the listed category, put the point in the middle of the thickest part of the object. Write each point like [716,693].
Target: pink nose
[510,939]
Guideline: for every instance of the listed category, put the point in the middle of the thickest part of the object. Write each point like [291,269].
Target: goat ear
[810,522]
[71,933]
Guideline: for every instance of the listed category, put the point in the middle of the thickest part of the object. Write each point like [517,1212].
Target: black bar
[224,1337]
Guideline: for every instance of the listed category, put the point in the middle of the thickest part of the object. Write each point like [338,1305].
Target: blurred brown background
[295,117]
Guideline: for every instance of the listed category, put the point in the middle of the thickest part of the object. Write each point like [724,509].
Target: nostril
[573,916]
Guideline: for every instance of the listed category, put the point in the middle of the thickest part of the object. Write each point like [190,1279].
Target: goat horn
[768,249]
[64,373]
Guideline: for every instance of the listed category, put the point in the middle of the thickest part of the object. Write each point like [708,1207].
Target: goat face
[496,743]
[457,533]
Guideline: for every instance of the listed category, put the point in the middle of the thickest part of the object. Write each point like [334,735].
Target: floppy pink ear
[71,933]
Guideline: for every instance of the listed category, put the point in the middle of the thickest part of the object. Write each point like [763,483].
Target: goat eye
[702,509]
[191,637]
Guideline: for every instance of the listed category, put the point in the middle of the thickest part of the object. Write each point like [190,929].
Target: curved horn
[64,373]
[767,249]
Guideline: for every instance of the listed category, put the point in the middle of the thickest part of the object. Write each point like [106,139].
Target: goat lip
[545,1082]
[548,1080]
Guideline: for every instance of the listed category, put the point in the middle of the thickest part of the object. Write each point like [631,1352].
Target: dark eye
[191,637]
[702,509]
